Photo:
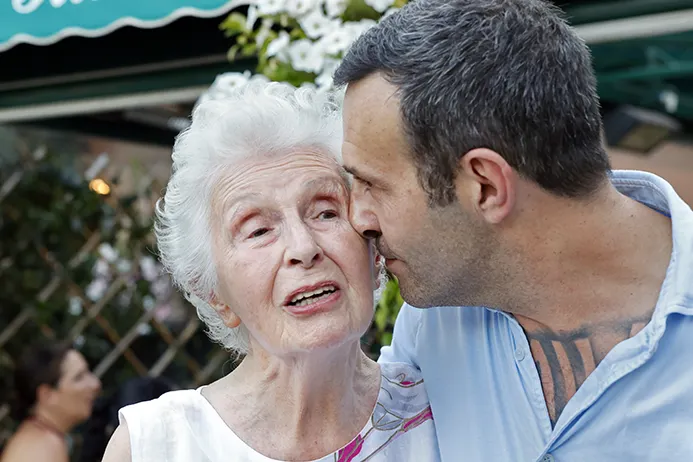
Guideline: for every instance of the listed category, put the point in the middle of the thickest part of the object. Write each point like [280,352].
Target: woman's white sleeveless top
[182,426]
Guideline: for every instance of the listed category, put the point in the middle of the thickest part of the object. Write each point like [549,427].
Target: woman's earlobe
[225,312]
[379,267]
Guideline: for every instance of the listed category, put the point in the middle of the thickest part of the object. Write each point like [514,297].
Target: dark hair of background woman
[40,364]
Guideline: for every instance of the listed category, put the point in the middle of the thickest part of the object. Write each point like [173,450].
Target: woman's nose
[302,249]
[96,384]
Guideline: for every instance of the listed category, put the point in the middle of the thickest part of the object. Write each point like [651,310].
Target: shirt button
[520,354]
[548,458]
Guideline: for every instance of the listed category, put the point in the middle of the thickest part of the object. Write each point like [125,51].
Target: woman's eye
[327,215]
[258,232]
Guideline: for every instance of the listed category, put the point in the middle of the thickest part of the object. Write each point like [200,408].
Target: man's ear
[225,312]
[488,182]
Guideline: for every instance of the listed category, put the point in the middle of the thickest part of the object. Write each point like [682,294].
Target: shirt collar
[676,295]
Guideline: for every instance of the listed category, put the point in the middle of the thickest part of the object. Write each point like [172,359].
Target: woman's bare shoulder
[29,445]
[118,449]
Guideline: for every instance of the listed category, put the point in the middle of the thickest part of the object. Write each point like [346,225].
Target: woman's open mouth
[310,300]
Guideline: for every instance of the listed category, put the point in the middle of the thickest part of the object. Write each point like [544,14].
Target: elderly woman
[254,229]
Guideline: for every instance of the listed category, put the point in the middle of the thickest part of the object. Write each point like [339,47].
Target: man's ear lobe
[491,183]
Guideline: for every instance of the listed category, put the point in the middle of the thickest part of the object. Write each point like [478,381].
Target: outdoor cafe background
[93,92]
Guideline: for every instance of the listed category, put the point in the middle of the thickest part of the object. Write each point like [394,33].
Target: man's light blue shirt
[487,397]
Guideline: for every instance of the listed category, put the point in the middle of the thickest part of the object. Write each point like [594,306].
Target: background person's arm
[403,348]
[118,449]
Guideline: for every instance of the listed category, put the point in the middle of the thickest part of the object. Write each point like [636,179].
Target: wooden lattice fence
[79,266]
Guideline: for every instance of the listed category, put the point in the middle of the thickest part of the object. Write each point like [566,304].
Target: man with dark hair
[555,300]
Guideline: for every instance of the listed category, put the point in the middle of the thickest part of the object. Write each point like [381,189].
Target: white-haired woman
[254,228]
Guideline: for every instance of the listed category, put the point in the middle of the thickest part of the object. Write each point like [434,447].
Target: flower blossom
[335,8]
[380,5]
[306,56]
[270,7]
[279,44]
[298,8]
[316,24]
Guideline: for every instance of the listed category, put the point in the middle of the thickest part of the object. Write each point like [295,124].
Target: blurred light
[99,186]
[637,129]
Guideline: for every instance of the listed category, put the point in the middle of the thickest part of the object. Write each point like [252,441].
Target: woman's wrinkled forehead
[296,176]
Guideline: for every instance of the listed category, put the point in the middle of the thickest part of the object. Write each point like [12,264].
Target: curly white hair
[258,118]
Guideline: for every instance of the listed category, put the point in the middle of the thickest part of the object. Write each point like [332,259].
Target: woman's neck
[50,422]
[313,403]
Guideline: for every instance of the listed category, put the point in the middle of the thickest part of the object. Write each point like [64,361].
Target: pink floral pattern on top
[398,393]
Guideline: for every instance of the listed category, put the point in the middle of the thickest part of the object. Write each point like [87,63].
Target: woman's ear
[225,312]
[378,268]
[44,393]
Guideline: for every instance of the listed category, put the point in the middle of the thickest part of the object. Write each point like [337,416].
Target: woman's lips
[321,304]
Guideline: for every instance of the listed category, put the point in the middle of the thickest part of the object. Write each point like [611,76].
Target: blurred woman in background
[54,392]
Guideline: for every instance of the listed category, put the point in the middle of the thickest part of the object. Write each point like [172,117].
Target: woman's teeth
[306,298]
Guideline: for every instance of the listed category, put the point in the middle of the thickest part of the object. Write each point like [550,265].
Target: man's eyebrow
[353,171]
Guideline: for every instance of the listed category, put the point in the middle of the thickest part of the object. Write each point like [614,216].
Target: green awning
[43,22]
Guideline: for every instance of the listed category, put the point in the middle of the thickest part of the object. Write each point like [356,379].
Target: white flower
[358,28]
[279,44]
[251,18]
[270,7]
[324,80]
[75,306]
[335,8]
[149,270]
[297,8]
[144,328]
[316,24]
[160,288]
[225,84]
[79,341]
[380,5]
[388,13]
[337,41]
[101,268]
[123,266]
[264,32]
[306,56]
[108,252]
[96,289]
[148,302]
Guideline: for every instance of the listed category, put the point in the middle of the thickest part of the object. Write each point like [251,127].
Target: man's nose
[363,219]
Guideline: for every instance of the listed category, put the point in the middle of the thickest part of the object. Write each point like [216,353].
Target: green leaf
[233,51]
[381,317]
[249,49]
[386,339]
[234,24]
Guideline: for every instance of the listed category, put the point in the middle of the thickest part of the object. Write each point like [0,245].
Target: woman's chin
[323,336]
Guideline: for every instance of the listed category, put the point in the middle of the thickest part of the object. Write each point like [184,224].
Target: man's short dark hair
[507,75]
